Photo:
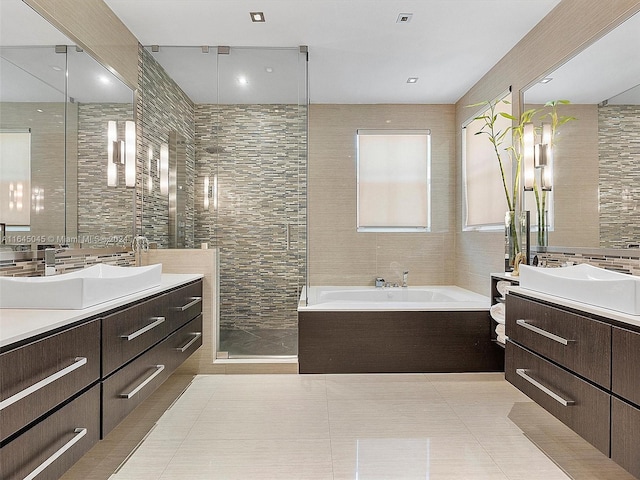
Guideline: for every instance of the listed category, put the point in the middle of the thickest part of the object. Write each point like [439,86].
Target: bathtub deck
[397,342]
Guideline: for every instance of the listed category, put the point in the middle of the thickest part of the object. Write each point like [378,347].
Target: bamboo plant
[509,141]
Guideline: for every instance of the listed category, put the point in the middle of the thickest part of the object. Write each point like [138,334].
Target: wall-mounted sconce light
[37,199]
[545,161]
[164,169]
[529,138]
[121,152]
[538,156]
[130,158]
[113,152]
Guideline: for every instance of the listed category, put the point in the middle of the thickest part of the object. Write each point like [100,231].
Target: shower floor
[259,342]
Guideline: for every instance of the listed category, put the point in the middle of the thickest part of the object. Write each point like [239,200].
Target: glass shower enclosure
[251,154]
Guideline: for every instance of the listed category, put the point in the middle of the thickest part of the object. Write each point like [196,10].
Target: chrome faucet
[405,278]
[50,260]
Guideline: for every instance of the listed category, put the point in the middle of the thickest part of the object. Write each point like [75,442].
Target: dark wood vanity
[582,367]
[63,390]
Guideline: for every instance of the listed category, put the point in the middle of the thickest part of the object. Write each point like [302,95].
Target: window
[484,198]
[393,180]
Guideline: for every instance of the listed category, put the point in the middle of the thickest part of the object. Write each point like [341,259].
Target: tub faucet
[379,282]
[405,277]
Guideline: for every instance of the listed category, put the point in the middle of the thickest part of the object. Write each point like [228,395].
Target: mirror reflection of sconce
[121,152]
[37,199]
[164,169]
[211,192]
[537,156]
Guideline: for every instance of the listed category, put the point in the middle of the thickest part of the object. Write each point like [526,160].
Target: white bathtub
[436,298]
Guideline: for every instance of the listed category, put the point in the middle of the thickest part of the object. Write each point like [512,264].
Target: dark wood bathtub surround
[397,342]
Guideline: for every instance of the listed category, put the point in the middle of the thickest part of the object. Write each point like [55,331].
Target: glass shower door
[259,171]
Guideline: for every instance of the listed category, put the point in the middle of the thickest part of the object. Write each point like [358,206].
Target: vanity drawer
[126,389]
[129,332]
[625,435]
[625,368]
[578,343]
[580,405]
[183,304]
[40,375]
[184,342]
[69,432]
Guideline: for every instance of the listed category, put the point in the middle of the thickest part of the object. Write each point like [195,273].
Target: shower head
[214,149]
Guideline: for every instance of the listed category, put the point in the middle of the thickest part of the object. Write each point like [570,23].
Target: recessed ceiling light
[243,81]
[546,80]
[104,80]
[257,16]
[56,68]
[404,18]
[412,80]
[268,69]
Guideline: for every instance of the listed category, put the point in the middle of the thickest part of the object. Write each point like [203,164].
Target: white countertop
[585,307]
[19,324]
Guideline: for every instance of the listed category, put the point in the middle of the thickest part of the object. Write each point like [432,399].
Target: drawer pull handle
[159,369]
[523,373]
[137,333]
[544,333]
[196,336]
[194,301]
[79,433]
[77,363]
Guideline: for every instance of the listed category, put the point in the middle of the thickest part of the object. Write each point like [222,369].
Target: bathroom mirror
[596,168]
[56,101]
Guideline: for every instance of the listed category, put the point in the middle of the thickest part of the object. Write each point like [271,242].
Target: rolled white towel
[503,287]
[497,312]
[502,338]
[500,330]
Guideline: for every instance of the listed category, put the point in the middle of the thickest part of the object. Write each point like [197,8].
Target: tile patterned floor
[330,427]
[259,342]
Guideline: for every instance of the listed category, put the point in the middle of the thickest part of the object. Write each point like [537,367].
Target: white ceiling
[358,53]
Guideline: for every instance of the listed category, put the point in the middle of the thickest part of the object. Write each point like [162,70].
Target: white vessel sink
[587,284]
[77,290]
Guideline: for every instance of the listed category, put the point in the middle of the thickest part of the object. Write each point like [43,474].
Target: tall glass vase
[511,243]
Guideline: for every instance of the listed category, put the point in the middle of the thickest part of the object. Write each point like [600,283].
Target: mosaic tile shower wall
[105,214]
[259,155]
[619,151]
[162,107]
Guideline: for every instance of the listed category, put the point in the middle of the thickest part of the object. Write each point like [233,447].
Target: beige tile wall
[338,255]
